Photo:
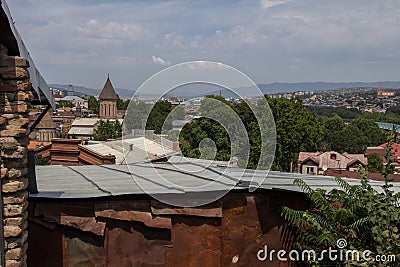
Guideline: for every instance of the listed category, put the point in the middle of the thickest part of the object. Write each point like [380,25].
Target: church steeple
[108,92]
[108,101]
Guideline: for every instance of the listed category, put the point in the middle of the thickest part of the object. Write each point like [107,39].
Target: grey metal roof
[38,83]
[114,180]
[72,98]
[85,122]
[143,149]
[81,131]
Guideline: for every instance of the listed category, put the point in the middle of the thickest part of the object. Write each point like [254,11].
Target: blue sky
[79,42]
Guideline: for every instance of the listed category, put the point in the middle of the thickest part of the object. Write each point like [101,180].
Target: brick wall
[15,94]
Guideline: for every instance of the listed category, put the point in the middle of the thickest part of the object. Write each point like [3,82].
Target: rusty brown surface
[211,210]
[133,244]
[241,232]
[196,242]
[131,211]
[139,216]
[79,216]
[83,250]
[142,232]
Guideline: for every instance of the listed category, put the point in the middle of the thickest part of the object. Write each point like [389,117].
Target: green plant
[366,217]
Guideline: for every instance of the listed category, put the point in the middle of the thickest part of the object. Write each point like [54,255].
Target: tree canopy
[108,130]
[297,129]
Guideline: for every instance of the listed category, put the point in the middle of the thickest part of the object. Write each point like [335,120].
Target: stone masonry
[15,95]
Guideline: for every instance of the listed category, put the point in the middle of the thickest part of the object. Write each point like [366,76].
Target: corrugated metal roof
[388,126]
[85,122]
[72,98]
[113,180]
[80,131]
[143,149]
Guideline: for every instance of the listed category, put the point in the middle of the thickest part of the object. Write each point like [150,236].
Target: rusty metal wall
[144,232]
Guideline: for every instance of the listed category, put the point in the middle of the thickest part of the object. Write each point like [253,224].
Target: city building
[320,162]
[386,93]
[46,129]
[83,128]
[108,101]
[76,100]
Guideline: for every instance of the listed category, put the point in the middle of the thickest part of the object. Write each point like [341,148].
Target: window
[309,170]
[333,156]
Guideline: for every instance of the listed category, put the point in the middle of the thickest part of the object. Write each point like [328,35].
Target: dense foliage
[340,137]
[108,130]
[157,117]
[392,114]
[64,104]
[297,130]
[93,105]
[375,163]
[342,112]
[161,116]
[123,104]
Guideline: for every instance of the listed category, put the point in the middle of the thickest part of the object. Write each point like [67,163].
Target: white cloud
[265,4]
[159,61]
[112,29]
[324,40]
[206,65]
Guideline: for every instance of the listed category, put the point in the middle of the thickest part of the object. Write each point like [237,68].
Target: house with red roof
[320,162]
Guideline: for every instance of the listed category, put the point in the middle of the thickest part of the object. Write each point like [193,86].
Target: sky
[80,41]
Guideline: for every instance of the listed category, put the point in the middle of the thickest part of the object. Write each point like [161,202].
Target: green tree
[159,115]
[332,133]
[123,104]
[64,104]
[394,109]
[352,138]
[93,104]
[375,162]
[297,130]
[108,130]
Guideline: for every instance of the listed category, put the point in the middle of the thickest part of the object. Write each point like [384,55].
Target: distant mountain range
[82,90]
[270,88]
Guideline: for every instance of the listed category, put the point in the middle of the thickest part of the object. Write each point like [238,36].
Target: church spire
[108,92]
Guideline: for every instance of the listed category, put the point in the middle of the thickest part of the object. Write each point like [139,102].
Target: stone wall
[15,95]
[108,109]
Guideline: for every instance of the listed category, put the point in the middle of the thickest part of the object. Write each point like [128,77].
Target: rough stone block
[14,185]
[13,133]
[14,73]
[23,96]
[15,173]
[15,209]
[17,123]
[15,163]
[18,152]
[14,107]
[16,198]
[14,61]
[14,242]
[11,142]
[3,121]
[16,221]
